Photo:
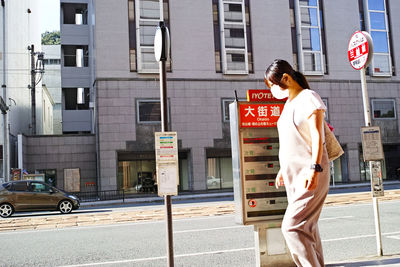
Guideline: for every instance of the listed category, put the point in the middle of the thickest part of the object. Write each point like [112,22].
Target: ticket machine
[255,163]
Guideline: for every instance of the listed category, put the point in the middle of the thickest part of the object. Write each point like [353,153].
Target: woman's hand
[279,180]
[311,180]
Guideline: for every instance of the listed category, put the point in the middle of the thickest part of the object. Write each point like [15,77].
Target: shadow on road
[386,262]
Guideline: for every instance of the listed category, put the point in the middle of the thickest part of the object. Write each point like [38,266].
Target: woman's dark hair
[275,71]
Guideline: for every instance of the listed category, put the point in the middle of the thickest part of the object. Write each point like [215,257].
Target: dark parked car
[34,196]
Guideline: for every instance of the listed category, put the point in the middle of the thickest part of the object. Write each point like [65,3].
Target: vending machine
[255,163]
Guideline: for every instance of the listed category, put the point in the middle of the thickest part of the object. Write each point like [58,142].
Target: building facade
[110,97]
[77,66]
[217,47]
[20,17]
[52,81]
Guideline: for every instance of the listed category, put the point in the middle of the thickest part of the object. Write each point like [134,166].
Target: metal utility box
[255,162]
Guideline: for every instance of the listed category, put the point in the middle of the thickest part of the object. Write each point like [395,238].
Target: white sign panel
[376,179]
[372,143]
[167,177]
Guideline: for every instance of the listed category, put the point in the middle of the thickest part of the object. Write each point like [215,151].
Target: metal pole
[33,90]
[164,128]
[4,95]
[367,117]
[367,113]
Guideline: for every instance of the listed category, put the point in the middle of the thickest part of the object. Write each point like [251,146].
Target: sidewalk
[338,194]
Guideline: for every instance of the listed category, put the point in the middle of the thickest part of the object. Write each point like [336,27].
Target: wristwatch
[317,167]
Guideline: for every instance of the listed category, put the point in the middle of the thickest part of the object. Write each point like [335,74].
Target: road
[347,232]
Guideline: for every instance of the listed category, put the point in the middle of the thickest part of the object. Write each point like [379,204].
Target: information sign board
[166,146]
[372,143]
[376,179]
[259,115]
[255,149]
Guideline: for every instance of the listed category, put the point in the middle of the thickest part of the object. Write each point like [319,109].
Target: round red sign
[360,50]
[252,203]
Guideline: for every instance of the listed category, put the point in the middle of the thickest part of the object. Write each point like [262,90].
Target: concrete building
[52,81]
[77,71]
[219,46]
[110,88]
[21,17]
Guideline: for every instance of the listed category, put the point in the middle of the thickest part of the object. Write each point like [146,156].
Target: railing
[101,195]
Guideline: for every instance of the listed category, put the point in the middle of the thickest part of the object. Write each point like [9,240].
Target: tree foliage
[51,38]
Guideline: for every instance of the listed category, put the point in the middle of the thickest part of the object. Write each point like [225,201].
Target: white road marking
[210,229]
[359,236]
[160,258]
[335,218]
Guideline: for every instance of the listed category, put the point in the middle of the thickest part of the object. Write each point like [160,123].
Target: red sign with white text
[259,115]
[358,50]
[261,96]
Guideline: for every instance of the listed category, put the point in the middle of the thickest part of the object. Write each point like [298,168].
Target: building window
[383,109]
[75,56]
[51,61]
[376,22]
[219,173]
[309,35]
[225,108]
[232,36]
[74,13]
[325,100]
[76,98]
[148,13]
[149,111]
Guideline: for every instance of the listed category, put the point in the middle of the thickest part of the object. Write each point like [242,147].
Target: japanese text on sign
[260,115]
[372,143]
[358,50]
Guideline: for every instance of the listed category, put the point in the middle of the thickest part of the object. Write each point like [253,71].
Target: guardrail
[101,195]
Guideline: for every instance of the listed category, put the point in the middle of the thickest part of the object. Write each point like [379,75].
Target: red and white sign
[261,96]
[359,50]
[252,203]
[259,115]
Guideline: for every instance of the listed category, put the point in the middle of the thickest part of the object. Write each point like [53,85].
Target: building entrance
[137,172]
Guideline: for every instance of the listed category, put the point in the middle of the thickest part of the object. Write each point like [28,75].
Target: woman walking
[304,164]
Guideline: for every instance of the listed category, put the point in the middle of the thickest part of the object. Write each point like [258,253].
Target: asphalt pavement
[191,207]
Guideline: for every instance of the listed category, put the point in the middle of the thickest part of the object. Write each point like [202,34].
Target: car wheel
[65,206]
[6,210]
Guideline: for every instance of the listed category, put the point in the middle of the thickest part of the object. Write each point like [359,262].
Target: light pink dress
[300,223]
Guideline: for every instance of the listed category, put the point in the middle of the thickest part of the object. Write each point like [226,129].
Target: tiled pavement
[101,217]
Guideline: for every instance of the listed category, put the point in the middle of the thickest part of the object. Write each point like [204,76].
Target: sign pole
[367,117]
[367,112]
[360,52]
[161,53]
[164,128]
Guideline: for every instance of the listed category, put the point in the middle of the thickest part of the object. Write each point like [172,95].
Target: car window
[39,187]
[6,186]
[20,186]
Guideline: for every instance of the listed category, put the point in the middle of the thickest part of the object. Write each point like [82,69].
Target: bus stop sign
[360,50]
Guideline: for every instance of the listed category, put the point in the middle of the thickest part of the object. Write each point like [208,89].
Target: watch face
[317,167]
